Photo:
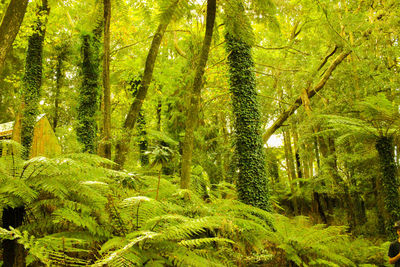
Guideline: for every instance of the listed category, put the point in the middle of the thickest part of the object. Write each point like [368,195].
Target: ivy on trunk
[390,184]
[252,184]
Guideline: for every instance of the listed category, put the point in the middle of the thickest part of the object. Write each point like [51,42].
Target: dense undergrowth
[80,213]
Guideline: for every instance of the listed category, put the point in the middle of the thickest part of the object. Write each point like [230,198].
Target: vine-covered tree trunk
[10,26]
[122,147]
[88,94]
[390,184]
[252,184]
[32,81]
[193,110]
[13,253]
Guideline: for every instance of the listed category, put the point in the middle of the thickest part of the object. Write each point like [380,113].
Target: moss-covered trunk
[88,94]
[32,81]
[390,184]
[252,184]
[194,105]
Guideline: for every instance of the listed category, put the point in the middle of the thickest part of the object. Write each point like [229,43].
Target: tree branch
[310,93]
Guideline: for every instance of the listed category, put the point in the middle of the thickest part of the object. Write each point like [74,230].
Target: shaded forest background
[242,133]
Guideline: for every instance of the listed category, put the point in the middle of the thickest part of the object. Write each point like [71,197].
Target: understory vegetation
[82,214]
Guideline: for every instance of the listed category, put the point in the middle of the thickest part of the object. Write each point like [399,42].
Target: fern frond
[116,255]
[192,243]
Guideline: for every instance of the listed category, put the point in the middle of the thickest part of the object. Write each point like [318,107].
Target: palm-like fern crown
[377,117]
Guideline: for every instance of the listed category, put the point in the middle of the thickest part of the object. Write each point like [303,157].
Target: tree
[13,216]
[252,183]
[193,109]
[106,82]
[122,146]
[88,93]
[10,26]
[378,122]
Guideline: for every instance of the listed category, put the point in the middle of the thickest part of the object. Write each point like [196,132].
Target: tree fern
[306,244]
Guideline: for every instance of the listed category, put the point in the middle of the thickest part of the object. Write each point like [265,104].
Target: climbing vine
[384,146]
[252,181]
[141,125]
[33,80]
[88,93]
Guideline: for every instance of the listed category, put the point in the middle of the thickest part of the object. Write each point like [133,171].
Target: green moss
[252,181]
[88,94]
[384,146]
[32,82]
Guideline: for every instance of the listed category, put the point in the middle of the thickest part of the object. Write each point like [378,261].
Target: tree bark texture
[106,141]
[194,106]
[122,147]
[9,27]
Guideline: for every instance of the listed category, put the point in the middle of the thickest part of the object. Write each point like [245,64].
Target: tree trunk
[390,184]
[13,253]
[143,143]
[32,81]
[296,149]
[106,140]
[10,26]
[194,106]
[324,198]
[122,147]
[88,95]
[59,82]
[290,167]
[252,184]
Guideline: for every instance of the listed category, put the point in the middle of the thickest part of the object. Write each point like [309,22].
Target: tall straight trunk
[122,147]
[59,82]
[194,106]
[252,184]
[324,198]
[32,81]
[159,109]
[290,166]
[316,197]
[106,141]
[13,253]
[143,143]
[88,95]
[295,135]
[9,27]
[390,184]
